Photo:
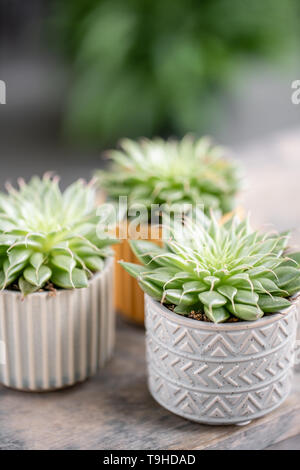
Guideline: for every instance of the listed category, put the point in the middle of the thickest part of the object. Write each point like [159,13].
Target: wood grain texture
[115,411]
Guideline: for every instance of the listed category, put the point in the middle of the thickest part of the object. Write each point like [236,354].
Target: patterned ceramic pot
[219,374]
[50,342]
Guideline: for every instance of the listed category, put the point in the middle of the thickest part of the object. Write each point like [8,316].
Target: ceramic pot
[51,342]
[219,374]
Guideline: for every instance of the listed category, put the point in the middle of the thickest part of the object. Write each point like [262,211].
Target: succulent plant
[171,172]
[222,271]
[48,236]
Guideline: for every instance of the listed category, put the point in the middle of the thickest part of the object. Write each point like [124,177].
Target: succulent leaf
[49,235]
[37,277]
[223,270]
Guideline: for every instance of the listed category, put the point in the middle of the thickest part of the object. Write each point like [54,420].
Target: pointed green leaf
[266,284]
[286,274]
[194,286]
[36,260]
[37,277]
[161,279]
[18,255]
[217,315]
[66,263]
[212,299]
[25,287]
[176,296]
[95,263]
[62,279]
[293,259]
[227,291]
[293,287]
[241,281]
[145,251]
[151,289]
[246,297]
[133,269]
[212,281]
[183,309]
[273,304]
[245,312]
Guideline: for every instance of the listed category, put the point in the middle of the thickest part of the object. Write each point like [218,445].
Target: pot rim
[240,325]
[108,262]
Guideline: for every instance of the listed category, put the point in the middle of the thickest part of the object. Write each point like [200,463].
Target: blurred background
[82,74]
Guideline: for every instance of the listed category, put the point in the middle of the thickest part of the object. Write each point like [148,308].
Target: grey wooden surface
[114,410]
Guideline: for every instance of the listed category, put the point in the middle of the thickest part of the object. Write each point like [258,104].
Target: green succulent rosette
[223,271]
[50,237]
[190,171]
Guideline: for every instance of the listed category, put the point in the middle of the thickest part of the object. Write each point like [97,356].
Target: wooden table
[115,410]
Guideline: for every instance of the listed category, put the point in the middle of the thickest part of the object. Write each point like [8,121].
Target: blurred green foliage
[145,67]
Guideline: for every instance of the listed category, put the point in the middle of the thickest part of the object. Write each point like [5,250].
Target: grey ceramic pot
[51,342]
[219,374]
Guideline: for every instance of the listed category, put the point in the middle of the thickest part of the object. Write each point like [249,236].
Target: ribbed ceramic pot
[219,374]
[51,342]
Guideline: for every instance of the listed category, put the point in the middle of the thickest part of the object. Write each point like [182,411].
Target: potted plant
[220,320]
[56,278]
[156,173]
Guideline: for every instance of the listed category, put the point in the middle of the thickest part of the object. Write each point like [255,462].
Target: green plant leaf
[273,304]
[36,260]
[17,256]
[194,287]
[150,289]
[182,309]
[246,297]
[26,288]
[286,274]
[37,277]
[145,251]
[133,269]
[217,315]
[176,296]
[95,263]
[227,291]
[212,299]
[62,279]
[293,260]
[245,312]
[292,287]
[161,279]
[66,263]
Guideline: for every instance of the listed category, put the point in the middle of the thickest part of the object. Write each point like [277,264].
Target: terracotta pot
[219,374]
[51,342]
[129,297]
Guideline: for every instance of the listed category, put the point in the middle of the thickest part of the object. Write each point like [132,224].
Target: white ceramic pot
[219,374]
[50,342]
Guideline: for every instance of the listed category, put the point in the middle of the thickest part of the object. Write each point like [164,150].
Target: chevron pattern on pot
[207,342]
[212,376]
[218,408]
[215,374]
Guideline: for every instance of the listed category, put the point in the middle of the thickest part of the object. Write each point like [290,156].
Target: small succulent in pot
[236,365]
[223,271]
[47,236]
[54,255]
[160,172]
